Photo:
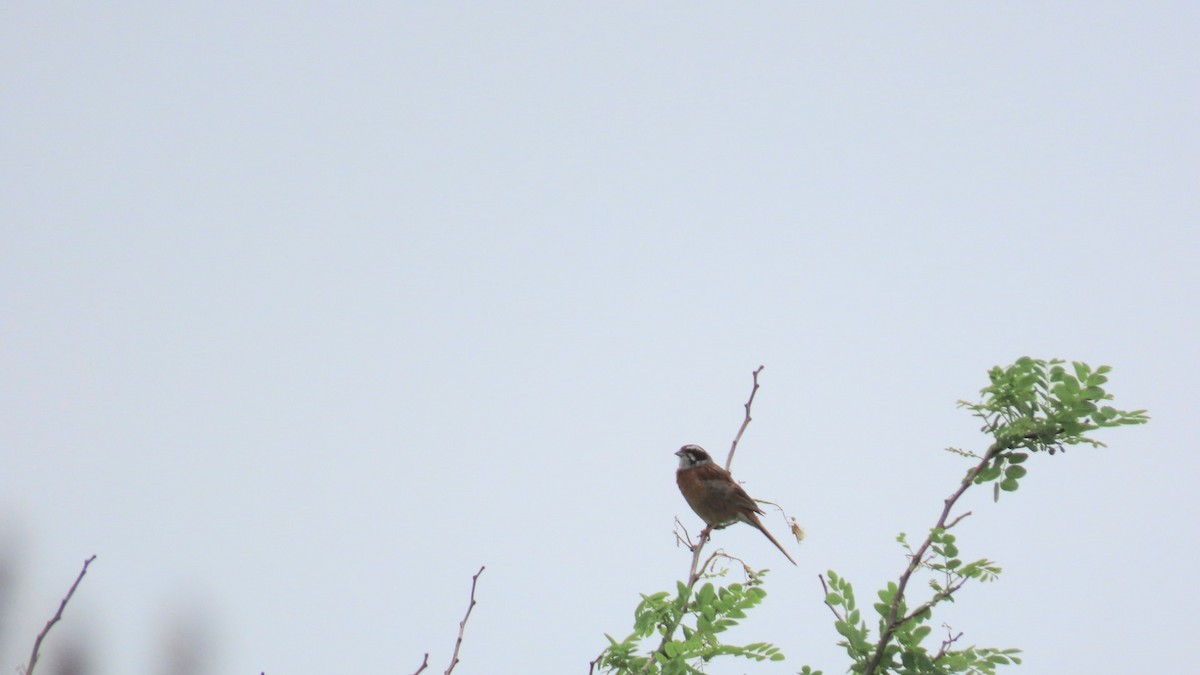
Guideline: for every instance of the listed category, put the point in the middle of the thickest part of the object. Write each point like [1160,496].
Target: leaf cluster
[1038,405]
[905,651]
[908,653]
[1030,406]
[701,616]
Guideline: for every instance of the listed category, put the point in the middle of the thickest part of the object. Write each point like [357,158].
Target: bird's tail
[758,523]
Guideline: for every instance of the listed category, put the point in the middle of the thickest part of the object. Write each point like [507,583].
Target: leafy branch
[1030,406]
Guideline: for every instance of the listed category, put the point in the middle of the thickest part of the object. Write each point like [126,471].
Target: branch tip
[37,644]
[462,625]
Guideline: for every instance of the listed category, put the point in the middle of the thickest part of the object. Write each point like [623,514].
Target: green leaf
[1082,371]
[989,473]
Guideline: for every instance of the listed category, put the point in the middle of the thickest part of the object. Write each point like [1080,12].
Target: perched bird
[714,495]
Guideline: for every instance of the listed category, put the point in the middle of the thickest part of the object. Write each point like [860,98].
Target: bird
[713,494]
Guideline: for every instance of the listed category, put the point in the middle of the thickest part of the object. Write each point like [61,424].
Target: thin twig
[706,566]
[37,644]
[424,664]
[745,420]
[955,521]
[746,569]
[462,625]
[837,615]
[928,605]
[697,569]
[686,537]
[951,638]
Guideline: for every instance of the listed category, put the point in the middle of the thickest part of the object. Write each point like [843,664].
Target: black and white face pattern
[692,455]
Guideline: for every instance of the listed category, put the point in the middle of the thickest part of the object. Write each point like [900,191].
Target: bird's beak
[678,453]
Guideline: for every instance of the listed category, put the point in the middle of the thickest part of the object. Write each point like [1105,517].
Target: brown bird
[714,495]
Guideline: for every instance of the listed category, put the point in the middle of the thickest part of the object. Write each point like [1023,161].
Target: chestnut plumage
[715,496]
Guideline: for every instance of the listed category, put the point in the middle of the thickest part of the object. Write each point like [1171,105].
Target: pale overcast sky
[308,312]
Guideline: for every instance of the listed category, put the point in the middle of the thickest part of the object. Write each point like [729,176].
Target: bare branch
[37,644]
[697,570]
[746,420]
[424,665]
[746,569]
[462,625]
[686,537]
